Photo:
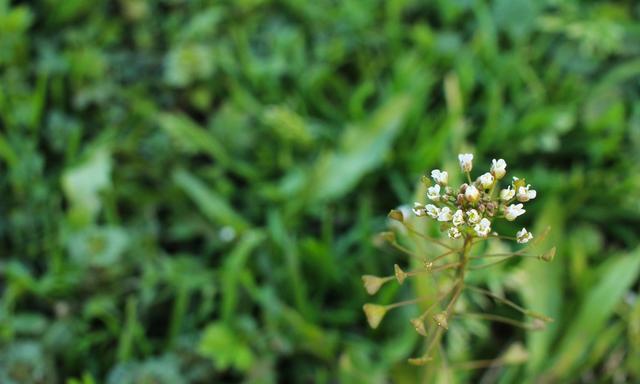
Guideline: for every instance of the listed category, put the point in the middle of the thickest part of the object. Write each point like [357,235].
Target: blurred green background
[189,189]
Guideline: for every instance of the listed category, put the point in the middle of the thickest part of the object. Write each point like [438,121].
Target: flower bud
[486,180]
[472,194]
[440,177]
[466,161]
[498,168]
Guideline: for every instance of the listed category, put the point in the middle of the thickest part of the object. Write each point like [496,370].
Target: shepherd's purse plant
[466,214]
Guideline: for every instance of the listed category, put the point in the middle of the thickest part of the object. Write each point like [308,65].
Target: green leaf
[362,148]
[211,204]
[615,279]
[223,346]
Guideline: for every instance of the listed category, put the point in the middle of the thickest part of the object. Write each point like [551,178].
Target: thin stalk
[445,254]
[433,270]
[406,302]
[498,298]
[429,238]
[405,250]
[501,319]
[437,301]
[477,364]
[505,254]
[458,290]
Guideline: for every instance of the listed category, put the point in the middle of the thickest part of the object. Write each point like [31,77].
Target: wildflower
[483,227]
[498,168]
[445,214]
[432,210]
[440,177]
[523,236]
[513,211]
[486,180]
[466,161]
[454,233]
[418,209]
[458,217]
[525,194]
[433,193]
[507,194]
[473,216]
[472,194]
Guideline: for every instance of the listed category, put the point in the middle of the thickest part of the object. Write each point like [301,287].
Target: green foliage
[180,176]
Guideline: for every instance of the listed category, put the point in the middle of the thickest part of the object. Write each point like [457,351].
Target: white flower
[454,233]
[513,211]
[432,210]
[483,227]
[433,193]
[466,161]
[418,209]
[472,194]
[445,214]
[498,168]
[507,194]
[486,180]
[523,236]
[440,177]
[473,216]
[525,194]
[458,218]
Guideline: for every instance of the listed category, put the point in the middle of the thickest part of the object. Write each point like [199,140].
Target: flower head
[440,177]
[432,210]
[523,236]
[507,194]
[433,193]
[466,161]
[498,168]
[486,180]
[458,218]
[473,216]
[454,233]
[525,194]
[483,227]
[472,194]
[418,209]
[513,211]
[445,214]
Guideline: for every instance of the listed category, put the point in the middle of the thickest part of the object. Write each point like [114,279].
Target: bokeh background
[189,189]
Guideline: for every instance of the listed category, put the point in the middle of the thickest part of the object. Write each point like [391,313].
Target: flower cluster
[471,208]
[466,212]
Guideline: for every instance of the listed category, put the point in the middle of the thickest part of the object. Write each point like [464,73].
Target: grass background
[189,189]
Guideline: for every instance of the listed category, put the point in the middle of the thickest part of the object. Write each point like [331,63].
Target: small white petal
[486,180]
[458,218]
[466,161]
[433,193]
